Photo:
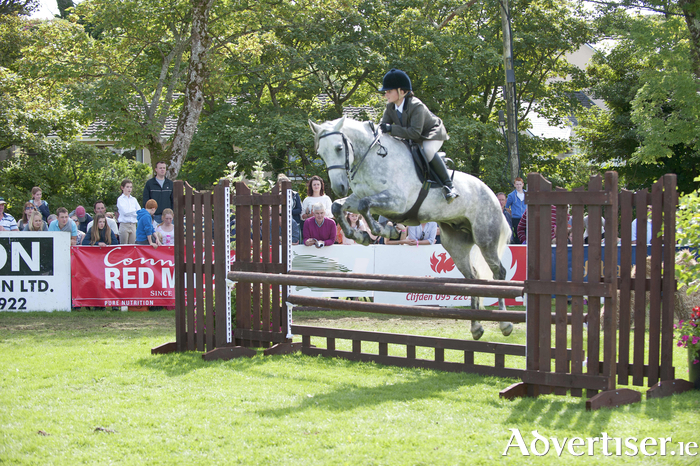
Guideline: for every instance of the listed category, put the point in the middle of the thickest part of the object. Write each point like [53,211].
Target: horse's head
[336,151]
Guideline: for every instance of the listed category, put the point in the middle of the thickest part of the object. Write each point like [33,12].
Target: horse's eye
[338,148]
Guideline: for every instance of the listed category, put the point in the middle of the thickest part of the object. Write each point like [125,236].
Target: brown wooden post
[577,269]
[209,268]
[180,272]
[655,280]
[189,266]
[610,278]
[198,253]
[625,284]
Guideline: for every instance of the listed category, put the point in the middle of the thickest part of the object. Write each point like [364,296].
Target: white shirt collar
[399,108]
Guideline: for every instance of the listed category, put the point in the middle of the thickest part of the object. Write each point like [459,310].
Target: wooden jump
[396,284]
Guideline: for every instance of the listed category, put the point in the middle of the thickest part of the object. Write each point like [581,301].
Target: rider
[407,117]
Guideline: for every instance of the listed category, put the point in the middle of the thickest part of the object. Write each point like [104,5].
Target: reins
[347,145]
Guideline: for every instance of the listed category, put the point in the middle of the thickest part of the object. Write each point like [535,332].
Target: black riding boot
[438,166]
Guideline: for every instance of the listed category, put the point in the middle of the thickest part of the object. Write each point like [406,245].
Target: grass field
[83,388]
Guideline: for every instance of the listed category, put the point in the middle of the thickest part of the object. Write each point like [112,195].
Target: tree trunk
[197,73]
[691,11]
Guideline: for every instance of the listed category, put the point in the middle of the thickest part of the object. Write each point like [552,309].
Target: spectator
[64,223]
[100,208]
[100,234]
[127,206]
[52,218]
[166,230]
[506,211]
[82,217]
[522,226]
[315,191]
[634,227]
[144,229]
[41,206]
[7,221]
[160,189]
[403,234]
[81,233]
[36,222]
[319,230]
[421,234]
[356,223]
[516,203]
[585,231]
[28,210]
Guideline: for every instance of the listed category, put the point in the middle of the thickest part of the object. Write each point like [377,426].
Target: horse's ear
[339,125]
[314,127]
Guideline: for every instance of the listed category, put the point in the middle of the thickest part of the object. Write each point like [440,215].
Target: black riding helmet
[396,79]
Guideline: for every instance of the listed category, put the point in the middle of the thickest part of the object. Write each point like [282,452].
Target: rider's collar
[399,108]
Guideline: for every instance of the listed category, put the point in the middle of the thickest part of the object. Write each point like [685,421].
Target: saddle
[425,173]
[427,177]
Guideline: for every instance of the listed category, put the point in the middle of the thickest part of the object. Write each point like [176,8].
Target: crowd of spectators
[129,224]
[312,219]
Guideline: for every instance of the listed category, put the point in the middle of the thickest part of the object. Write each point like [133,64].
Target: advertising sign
[35,271]
[434,261]
[125,275]
[336,258]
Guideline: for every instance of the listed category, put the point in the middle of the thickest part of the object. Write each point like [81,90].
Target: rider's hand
[386,127]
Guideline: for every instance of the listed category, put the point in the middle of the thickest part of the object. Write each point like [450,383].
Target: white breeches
[430,148]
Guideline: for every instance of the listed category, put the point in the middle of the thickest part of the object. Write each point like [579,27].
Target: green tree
[69,174]
[647,82]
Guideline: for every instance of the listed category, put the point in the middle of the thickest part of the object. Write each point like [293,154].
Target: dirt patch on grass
[36,322]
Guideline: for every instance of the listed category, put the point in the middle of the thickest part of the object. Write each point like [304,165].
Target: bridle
[347,144]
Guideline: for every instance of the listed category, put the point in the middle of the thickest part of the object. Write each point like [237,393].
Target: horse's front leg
[340,209]
[385,201]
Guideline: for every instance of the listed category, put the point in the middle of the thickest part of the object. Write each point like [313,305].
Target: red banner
[125,275]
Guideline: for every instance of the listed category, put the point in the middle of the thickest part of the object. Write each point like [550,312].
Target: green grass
[88,380]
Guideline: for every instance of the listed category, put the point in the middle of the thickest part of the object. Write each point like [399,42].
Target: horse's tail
[505,236]
[481,267]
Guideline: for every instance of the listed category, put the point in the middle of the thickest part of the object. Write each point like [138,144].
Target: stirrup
[450,193]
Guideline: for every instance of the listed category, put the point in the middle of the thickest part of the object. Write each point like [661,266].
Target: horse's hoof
[477,331]
[506,328]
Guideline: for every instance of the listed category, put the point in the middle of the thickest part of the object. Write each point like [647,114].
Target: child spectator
[100,234]
[127,206]
[36,222]
[356,223]
[166,230]
[144,228]
[41,206]
[24,221]
[100,208]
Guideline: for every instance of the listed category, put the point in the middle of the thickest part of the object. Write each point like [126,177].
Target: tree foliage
[652,125]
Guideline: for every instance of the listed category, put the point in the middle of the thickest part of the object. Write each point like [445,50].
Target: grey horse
[379,171]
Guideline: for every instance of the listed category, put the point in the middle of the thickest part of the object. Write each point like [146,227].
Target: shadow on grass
[346,396]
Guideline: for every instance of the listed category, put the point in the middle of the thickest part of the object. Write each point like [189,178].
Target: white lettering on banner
[17,251]
[167,278]
[142,261]
[131,277]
